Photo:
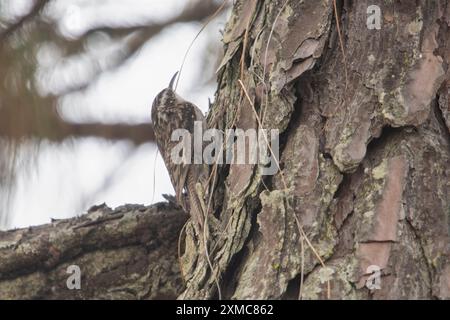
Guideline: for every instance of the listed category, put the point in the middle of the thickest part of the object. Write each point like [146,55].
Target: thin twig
[265,61]
[179,250]
[341,42]
[196,36]
[263,132]
[205,242]
[285,185]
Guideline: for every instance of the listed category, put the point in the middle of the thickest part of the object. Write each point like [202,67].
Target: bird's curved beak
[172,81]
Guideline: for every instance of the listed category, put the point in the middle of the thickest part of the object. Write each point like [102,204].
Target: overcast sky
[65,180]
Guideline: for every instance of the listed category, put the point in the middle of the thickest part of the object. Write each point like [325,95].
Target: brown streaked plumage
[171,112]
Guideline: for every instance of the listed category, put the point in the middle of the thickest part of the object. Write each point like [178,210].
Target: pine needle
[341,42]
[300,228]
[215,14]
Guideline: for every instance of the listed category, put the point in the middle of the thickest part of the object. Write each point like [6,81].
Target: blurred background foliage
[77,78]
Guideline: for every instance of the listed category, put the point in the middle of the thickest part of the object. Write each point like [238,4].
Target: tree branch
[21,122]
[39,5]
[126,253]
[136,36]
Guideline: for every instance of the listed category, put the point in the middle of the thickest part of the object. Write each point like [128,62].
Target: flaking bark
[126,253]
[365,159]
[365,169]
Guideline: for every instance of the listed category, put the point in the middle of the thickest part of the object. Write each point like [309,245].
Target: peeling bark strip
[366,194]
[126,253]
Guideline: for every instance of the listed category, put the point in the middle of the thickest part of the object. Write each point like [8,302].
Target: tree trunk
[363,191]
[365,154]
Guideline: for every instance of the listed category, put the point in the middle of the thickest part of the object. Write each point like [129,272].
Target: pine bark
[364,179]
[365,154]
[127,253]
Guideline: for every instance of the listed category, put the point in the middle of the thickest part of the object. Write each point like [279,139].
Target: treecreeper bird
[171,112]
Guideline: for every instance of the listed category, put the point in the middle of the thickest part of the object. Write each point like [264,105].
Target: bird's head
[167,96]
